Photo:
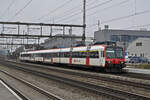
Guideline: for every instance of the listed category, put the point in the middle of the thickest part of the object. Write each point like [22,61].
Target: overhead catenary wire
[91,1]
[93,7]
[19,11]
[145,25]
[9,6]
[104,9]
[72,10]
[122,17]
[103,3]
[54,10]
[101,10]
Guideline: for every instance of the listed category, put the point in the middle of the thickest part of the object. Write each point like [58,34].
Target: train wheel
[116,70]
[107,70]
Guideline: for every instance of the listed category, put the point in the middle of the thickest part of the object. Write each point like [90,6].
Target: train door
[94,57]
[101,57]
[59,55]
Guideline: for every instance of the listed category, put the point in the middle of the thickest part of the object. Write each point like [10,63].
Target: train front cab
[114,59]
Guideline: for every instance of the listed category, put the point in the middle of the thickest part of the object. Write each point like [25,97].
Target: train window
[75,54]
[44,55]
[52,55]
[36,55]
[26,55]
[64,54]
[55,55]
[80,54]
[47,55]
[67,54]
[94,54]
[83,54]
[40,55]
[32,56]
[61,54]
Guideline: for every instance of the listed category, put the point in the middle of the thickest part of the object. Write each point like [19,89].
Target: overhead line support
[84,21]
[41,24]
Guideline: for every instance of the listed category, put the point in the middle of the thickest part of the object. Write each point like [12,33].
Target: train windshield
[114,52]
[119,53]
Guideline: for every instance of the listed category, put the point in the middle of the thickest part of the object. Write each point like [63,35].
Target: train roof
[84,48]
[65,49]
[95,47]
[41,51]
[79,49]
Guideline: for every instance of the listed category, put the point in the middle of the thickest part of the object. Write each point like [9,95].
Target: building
[61,42]
[121,37]
[3,52]
[140,48]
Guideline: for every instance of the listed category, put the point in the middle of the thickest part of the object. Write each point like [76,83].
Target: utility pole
[99,28]
[84,21]
[51,30]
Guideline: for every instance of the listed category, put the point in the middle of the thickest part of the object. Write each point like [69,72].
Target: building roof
[123,30]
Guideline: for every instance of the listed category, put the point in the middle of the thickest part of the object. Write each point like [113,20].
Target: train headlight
[122,62]
[109,62]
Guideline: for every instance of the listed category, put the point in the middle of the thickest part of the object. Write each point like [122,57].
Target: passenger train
[109,58]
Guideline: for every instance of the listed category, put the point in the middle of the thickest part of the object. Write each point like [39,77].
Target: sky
[107,12]
[118,14]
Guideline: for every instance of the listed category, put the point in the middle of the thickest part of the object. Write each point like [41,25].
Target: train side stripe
[70,60]
[87,60]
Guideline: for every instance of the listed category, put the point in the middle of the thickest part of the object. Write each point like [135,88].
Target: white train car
[100,56]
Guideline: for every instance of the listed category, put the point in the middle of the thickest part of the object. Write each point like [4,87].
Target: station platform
[7,93]
[137,70]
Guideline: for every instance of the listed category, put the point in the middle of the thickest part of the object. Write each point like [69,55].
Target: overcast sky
[118,14]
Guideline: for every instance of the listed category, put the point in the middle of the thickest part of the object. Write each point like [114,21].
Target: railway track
[21,95]
[117,94]
[136,75]
[125,73]
[97,77]
[40,90]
